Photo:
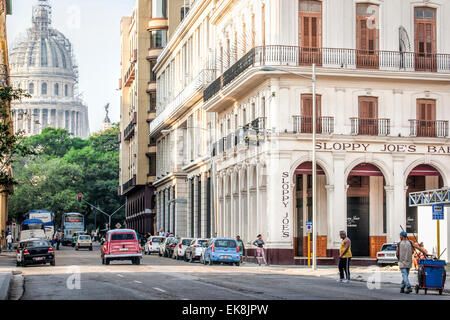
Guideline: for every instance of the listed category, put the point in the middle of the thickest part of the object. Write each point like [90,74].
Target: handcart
[431,275]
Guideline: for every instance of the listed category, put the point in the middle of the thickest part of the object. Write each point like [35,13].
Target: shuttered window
[367,35]
[310,31]
[425,38]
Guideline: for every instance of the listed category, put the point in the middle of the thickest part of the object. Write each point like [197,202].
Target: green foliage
[11,145]
[64,167]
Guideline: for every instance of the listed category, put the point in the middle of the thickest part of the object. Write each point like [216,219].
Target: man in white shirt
[9,241]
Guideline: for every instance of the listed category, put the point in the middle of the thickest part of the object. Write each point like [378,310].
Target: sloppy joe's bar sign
[386,147]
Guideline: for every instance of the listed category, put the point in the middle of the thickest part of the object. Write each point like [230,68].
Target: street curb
[5,286]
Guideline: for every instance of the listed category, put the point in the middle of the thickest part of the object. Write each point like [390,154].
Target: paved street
[164,278]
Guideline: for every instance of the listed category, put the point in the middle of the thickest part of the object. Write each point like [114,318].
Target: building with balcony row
[234,139]
[43,64]
[144,36]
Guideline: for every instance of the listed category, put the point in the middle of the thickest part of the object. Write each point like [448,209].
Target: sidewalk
[373,274]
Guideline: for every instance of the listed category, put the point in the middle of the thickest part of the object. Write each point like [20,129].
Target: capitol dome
[43,64]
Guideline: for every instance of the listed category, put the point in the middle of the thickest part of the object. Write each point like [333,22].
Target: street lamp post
[314,169]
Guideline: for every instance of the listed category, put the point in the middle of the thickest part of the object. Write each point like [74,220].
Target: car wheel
[107,261]
[52,263]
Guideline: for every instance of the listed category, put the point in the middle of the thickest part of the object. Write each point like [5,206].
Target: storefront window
[159,9]
[158,39]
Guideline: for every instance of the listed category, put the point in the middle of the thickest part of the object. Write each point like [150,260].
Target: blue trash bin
[431,275]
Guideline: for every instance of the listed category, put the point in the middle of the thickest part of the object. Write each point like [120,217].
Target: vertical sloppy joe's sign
[285,198]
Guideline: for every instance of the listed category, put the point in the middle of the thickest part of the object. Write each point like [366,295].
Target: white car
[162,246]
[153,244]
[387,254]
[183,243]
[196,250]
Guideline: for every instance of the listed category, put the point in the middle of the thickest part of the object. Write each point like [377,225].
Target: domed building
[42,63]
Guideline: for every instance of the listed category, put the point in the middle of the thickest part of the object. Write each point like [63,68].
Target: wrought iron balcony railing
[330,58]
[302,124]
[370,127]
[426,128]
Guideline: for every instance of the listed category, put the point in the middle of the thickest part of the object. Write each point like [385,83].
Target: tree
[11,145]
[64,167]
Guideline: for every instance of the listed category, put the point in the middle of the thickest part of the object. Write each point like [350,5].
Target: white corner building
[42,64]
[236,159]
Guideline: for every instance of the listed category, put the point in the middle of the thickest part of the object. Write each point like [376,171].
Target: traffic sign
[308,226]
[438,212]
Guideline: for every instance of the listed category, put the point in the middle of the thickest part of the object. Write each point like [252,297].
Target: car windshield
[37,243]
[389,247]
[202,243]
[122,236]
[225,243]
[186,242]
[84,237]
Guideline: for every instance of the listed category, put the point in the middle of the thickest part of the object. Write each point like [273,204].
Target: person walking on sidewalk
[259,243]
[9,241]
[405,250]
[58,237]
[240,244]
[345,255]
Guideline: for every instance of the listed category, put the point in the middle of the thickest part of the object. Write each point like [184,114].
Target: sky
[93,28]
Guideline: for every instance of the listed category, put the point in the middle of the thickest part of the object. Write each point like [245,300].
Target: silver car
[195,250]
[387,254]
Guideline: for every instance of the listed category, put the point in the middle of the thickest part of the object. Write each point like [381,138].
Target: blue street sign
[438,212]
[309,223]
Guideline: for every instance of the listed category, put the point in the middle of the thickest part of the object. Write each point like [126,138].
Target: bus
[32,228]
[46,217]
[71,223]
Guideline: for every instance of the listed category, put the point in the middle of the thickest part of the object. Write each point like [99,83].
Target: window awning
[366,169]
[306,168]
[424,170]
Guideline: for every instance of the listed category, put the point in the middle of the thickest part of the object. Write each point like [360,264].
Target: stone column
[330,218]
[196,206]
[340,200]
[172,210]
[189,208]
[203,217]
[399,215]
[390,214]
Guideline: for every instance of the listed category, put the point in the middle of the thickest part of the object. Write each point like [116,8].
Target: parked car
[195,250]
[162,246]
[183,243]
[153,244]
[84,241]
[222,250]
[121,244]
[170,246]
[387,254]
[35,251]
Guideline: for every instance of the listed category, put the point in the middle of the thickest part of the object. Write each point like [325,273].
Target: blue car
[222,250]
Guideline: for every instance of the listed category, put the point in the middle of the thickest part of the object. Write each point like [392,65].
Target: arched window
[44,88]
[31,88]
[66,90]
[56,89]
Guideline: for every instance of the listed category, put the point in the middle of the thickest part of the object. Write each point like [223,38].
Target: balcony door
[310,32]
[426,118]
[306,114]
[425,39]
[368,116]
[367,41]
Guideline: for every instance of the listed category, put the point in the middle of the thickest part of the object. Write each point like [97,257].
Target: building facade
[183,130]
[144,35]
[383,86]
[43,64]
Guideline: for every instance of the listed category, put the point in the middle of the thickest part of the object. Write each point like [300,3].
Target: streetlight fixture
[314,169]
